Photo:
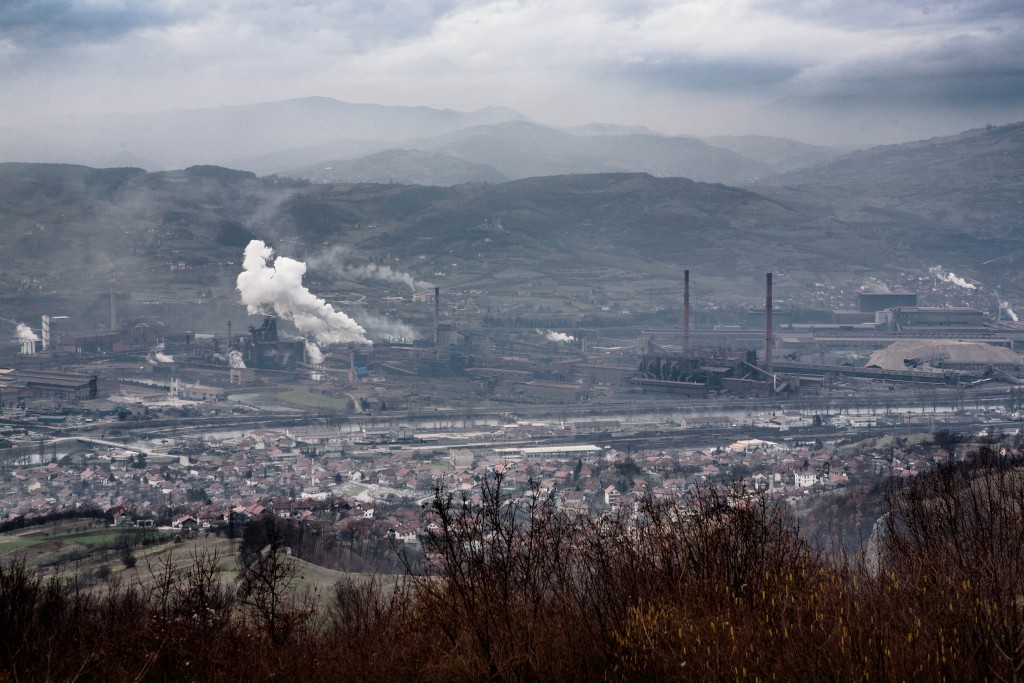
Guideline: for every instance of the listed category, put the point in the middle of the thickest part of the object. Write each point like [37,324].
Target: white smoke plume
[235,359]
[314,356]
[372,271]
[1005,306]
[381,327]
[279,287]
[335,258]
[157,355]
[26,334]
[551,335]
[951,277]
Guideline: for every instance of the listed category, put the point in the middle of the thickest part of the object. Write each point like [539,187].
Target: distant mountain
[956,198]
[519,149]
[781,154]
[994,154]
[68,226]
[609,129]
[286,160]
[950,201]
[305,136]
[176,139]
[403,166]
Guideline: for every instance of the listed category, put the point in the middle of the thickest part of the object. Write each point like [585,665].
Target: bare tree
[267,583]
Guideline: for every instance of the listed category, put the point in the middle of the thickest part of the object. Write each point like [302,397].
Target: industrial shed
[33,384]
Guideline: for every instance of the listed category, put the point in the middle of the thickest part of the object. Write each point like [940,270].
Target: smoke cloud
[551,335]
[25,333]
[235,359]
[951,277]
[1005,306]
[382,327]
[334,259]
[313,353]
[278,286]
[157,355]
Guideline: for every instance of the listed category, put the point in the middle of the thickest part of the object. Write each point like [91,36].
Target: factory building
[263,349]
[872,302]
[38,384]
[904,318]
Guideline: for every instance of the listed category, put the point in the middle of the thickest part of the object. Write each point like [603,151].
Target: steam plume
[235,359]
[551,335]
[157,355]
[25,333]
[379,326]
[1005,305]
[335,260]
[279,287]
[313,353]
[372,271]
[951,278]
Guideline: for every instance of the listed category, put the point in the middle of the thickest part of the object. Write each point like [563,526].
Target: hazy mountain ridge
[780,154]
[956,198]
[301,137]
[176,139]
[404,166]
[203,215]
[975,157]
[520,149]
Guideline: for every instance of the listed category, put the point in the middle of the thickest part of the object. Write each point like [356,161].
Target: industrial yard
[199,431]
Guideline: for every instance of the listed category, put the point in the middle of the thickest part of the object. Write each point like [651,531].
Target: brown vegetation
[717,586]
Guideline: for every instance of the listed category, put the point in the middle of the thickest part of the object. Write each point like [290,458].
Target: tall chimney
[686,311]
[113,301]
[437,312]
[768,324]
[229,335]
[46,332]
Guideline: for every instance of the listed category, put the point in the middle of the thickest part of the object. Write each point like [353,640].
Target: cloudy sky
[836,71]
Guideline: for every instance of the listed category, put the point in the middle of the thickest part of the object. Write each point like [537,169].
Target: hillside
[178,231]
[403,166]
[178,235]
[519,149]
[956,198]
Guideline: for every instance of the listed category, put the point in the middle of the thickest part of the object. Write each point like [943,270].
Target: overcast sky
[837,71]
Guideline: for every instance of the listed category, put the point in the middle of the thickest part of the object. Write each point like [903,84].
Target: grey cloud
[708,76]
[36,25]
[964,68]
[886,14]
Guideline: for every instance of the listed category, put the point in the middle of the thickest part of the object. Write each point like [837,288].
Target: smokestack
[113,301]
[46,332]
[437,312]
[768,324]
[686,311]
[229,335]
